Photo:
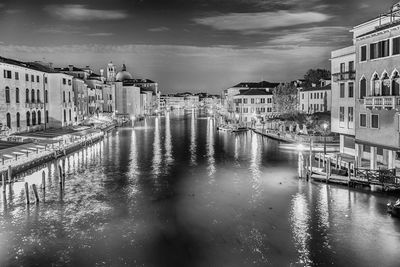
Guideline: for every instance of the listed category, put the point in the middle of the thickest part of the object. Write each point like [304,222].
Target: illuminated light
[300,147]
[325,126]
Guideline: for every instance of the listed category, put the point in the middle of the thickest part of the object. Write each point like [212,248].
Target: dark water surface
[175,192]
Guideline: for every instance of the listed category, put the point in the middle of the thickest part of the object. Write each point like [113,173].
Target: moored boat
[394,208]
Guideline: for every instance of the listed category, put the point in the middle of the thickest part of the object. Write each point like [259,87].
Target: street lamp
[325,127]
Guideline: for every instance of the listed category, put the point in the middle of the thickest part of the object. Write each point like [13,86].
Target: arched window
[64,97]
[17,95]
[7,95]
[69,96]
[27,96]
[65,115]
[33,96]
[46,96]
[385,85]
[39,117]
[70,117]
[28,119]
[376,86]
[363,88]
[18,120]
[9,120]
[47,116]
[38,95]
[33,118]
[396,84]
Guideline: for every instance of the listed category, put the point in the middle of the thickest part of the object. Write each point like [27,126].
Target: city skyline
[185,45]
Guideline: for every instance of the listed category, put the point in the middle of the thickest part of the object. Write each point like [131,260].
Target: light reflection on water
[144,197]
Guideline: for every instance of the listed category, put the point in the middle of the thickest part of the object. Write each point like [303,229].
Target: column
[358,154]
[373,163]
[341,143]
[385,156]
[391,159]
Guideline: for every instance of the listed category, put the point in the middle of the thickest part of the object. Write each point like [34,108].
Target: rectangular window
[341,114]
[375,121]
[69,82]
[64,81]
[252,100]
[351,66]
[311,95]
[379,50]
[16,75]
[27,77]
[262,100]
[7,74]
[322,95]
[350,114]
[342,90]
[396,45]
[45,79]
[363,53]
[351,89]
[363,120]
[37,78]
[302,95]
[321,107]
[302,107]
[342,67]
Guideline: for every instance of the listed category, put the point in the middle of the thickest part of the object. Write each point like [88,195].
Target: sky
[185,45]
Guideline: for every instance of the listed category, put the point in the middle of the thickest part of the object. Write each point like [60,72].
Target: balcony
[382,102]
[344,76]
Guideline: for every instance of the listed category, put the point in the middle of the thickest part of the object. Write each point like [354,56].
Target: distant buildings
[228,95]
[316,98]
[253,105]
[37,96]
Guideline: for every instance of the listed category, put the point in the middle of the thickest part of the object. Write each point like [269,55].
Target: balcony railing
[344,76]
[382,102]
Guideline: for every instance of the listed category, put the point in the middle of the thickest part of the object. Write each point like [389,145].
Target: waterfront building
[32,96]
[81,99]
[316,98]
[192,101]
[108,91]
[174,102]
[229,94]
[343,97]
[253,105]
[127,95]
[377,46]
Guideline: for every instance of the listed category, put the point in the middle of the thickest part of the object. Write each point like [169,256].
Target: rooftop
[39,66]
[317,88]
[254,92]
[263,84]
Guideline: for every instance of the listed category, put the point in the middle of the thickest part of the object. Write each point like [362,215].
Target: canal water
[175,192]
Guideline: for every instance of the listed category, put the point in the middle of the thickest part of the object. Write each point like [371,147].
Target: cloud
[62,29]
[159,29]
[100,34]
[255,22]
[82,13]
[314,36]
[13,11]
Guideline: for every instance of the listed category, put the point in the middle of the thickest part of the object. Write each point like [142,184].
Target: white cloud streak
[245,22]
[159,29]
[82,13]
[100,34]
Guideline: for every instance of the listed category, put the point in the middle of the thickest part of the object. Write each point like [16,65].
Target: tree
[285,99]
[314,75]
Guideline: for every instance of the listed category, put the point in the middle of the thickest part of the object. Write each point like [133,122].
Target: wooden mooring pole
[60,175]
[3,179]
[43,180]
[27,192]
[36,193]
[9,174]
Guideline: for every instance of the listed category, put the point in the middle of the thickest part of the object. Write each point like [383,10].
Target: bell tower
[111,72]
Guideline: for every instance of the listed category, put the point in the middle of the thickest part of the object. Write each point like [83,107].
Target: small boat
[224,128]
[394,208]
[240,130]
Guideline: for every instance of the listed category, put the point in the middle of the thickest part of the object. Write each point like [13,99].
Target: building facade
[253,105]
[315,98]
[343,97]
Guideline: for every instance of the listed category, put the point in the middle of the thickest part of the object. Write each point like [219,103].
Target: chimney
[70,67]
[101,72]
[313,85]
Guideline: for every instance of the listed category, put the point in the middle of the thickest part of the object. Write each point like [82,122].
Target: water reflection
[168,140]
[300,221]
[255,162]
[193,154]
[156,162]
[210,148]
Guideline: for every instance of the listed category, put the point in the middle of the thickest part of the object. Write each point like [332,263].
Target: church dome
[123,75]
